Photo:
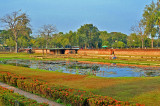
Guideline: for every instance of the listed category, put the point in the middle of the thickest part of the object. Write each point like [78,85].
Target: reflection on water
[74,67]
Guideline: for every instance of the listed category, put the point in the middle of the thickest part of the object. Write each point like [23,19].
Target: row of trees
[145,34]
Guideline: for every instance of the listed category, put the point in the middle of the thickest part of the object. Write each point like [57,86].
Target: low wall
[95,51]
[143,52]
[40,51]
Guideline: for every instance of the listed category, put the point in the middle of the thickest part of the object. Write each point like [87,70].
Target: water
[86,69]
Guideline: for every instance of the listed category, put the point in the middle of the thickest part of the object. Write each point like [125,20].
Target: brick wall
[146,52]
[95,51]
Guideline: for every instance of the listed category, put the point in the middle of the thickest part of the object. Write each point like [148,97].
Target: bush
[66,95]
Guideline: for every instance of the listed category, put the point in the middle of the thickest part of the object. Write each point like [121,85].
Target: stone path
[30,95]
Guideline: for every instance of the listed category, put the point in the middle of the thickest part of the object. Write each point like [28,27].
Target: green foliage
[134,41]
[17,23]
[23,42]
[59,100]
[151,19]
[10,42]
[39,42]
[90,36]
[118,44]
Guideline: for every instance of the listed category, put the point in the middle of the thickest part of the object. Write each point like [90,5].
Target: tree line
[18,33]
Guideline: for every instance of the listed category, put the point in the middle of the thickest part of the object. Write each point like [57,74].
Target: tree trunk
[158,38]
[152,43]
[16,38]
[16,46]
[10,50]
[158,42]
[43,51]
[142,44]
[46,47]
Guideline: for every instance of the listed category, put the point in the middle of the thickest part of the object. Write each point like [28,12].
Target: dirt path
[30,95]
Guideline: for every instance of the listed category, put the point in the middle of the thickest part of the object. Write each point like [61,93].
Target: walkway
[30,95]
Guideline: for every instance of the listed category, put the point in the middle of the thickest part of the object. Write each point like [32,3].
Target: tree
[4,35]
[72,37]
[56,42]
[23,42]
[133,40]
[18,23]
[10,43]
[120,44]
[83,41]
[158,20]
[149,20]
[46,32]
[39,42]
[105,38]
[140,31]
[90,35]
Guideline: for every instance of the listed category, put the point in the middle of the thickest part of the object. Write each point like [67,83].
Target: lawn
[143,90]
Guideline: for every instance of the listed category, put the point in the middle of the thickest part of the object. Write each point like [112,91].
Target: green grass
[122,60]
[122,88]
[149,98]
[132,62]
[128,90]
[145,90]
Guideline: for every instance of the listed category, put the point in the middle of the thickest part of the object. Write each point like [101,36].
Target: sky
[66,15]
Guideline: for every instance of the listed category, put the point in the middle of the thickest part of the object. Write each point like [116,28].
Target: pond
[75,67]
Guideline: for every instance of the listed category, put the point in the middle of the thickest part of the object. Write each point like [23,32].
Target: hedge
[74,97]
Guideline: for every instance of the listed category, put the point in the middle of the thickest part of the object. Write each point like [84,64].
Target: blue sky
[66,15]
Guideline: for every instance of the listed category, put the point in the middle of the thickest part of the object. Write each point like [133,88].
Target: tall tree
[46,32]
[158,21]
[90,33]
[139,30]
[149,20]
[18,23]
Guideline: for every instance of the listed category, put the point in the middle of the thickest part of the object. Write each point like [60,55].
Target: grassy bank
[131,60]
[144,90]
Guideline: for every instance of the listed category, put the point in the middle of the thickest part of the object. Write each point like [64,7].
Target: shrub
[66,95]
